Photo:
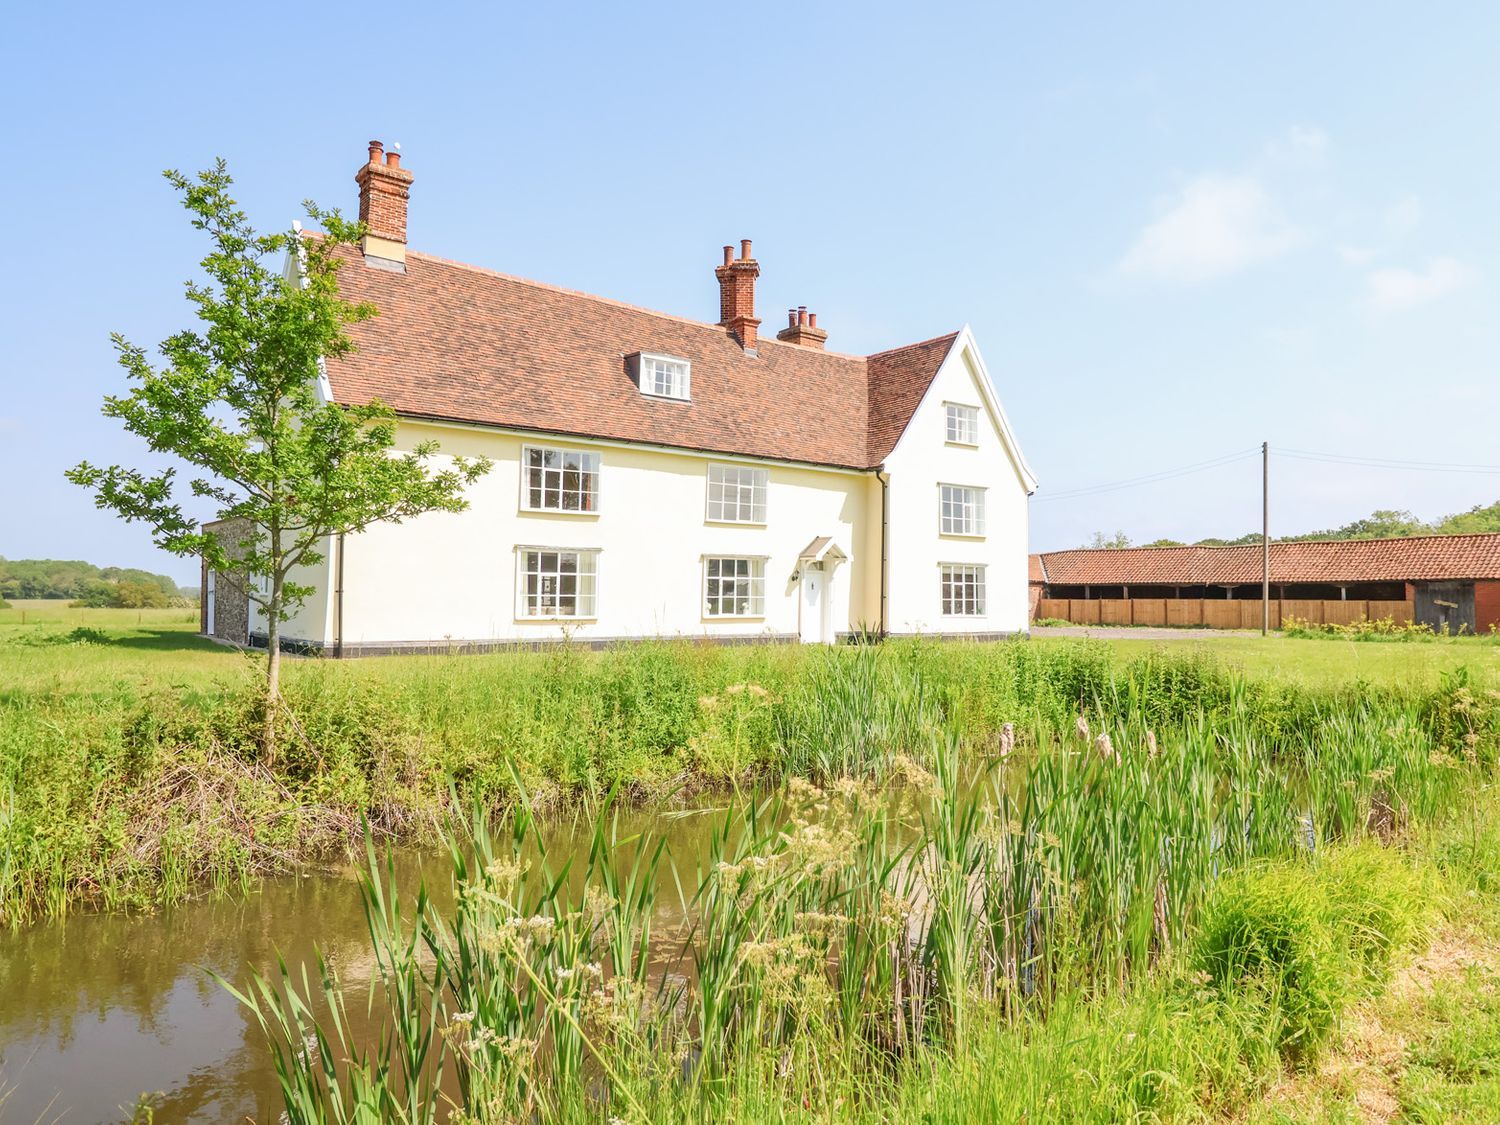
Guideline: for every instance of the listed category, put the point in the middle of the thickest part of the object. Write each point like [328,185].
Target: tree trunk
[273,673]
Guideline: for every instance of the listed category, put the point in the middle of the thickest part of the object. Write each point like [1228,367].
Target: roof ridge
[918,344]
[1278,543]
[626,305]
[453,337]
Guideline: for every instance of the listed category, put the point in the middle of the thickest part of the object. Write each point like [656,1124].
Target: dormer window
[662,376]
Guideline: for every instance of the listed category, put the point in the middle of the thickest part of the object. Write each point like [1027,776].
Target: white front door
[814,614]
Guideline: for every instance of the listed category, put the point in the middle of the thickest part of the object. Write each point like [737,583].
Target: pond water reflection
[98,1009]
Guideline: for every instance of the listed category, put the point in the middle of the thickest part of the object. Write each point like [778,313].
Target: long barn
[1448,582]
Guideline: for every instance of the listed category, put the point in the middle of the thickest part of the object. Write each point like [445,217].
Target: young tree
[237,401]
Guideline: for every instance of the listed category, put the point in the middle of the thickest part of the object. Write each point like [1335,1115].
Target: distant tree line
[1384,523]
[88,585]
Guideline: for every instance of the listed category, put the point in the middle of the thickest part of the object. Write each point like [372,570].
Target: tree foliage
[236,401]
[127,595]
[1477,520]
[72,578]
[1383,523]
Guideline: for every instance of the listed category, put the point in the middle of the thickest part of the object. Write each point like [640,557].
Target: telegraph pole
[1265,538]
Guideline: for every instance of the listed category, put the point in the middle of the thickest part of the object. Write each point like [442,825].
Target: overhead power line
[1385,462]
[1150,478]
[1294,454]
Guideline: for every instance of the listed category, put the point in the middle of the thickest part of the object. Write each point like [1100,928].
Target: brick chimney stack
[802,328]
[383,189]
[737,295]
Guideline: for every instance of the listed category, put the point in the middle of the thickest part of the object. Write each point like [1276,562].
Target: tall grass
[131,791]
[836,938]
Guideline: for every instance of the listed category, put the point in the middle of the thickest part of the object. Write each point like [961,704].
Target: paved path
[1141,633]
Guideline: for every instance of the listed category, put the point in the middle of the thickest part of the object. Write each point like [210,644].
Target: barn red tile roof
[1429,557]
[461,343]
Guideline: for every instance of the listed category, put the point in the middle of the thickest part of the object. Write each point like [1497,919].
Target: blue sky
[1177,230]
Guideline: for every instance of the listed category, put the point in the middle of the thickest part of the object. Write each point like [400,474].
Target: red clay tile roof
[1036,570]
[1429,557]
[460,343]
[898,380]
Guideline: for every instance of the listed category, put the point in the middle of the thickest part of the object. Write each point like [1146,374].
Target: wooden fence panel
[1184,612]
[1243,614]
[1399,612]
[1303,611]
[1052,609]
[1250,614]
[1083,611]
[1224,615]
[1344,612]
[1149,611]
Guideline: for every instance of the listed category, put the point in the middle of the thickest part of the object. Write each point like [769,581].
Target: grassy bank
[1174,926]
[129,772]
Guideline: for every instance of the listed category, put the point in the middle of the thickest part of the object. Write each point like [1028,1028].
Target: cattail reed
[874,911]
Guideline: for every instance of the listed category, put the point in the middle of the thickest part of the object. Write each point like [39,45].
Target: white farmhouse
[657,476]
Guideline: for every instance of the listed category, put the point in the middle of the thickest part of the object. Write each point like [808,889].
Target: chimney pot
[375,148]
[744,249]
[802,329]
[728,254]
[393,160]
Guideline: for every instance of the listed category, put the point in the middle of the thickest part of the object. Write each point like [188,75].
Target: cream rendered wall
[452,576]
[309,623]
[923,460]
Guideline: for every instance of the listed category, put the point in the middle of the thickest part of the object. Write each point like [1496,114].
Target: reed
[837,936]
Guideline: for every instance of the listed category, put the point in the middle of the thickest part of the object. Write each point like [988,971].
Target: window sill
[962,444]
[963,616]
[735,523]
[960,535]
[732,619]
[666,398]
[557,620]
[570,514]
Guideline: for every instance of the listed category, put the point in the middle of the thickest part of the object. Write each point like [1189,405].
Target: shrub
[1269,931]
[1381,629]
[1308,939]
[1377,903]
[1468,854]
[738,729]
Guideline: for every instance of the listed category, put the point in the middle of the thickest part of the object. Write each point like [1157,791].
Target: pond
[101,1008]
[1064,847]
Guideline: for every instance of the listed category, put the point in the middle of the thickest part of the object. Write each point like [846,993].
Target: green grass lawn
[49,643]
[1324,662]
